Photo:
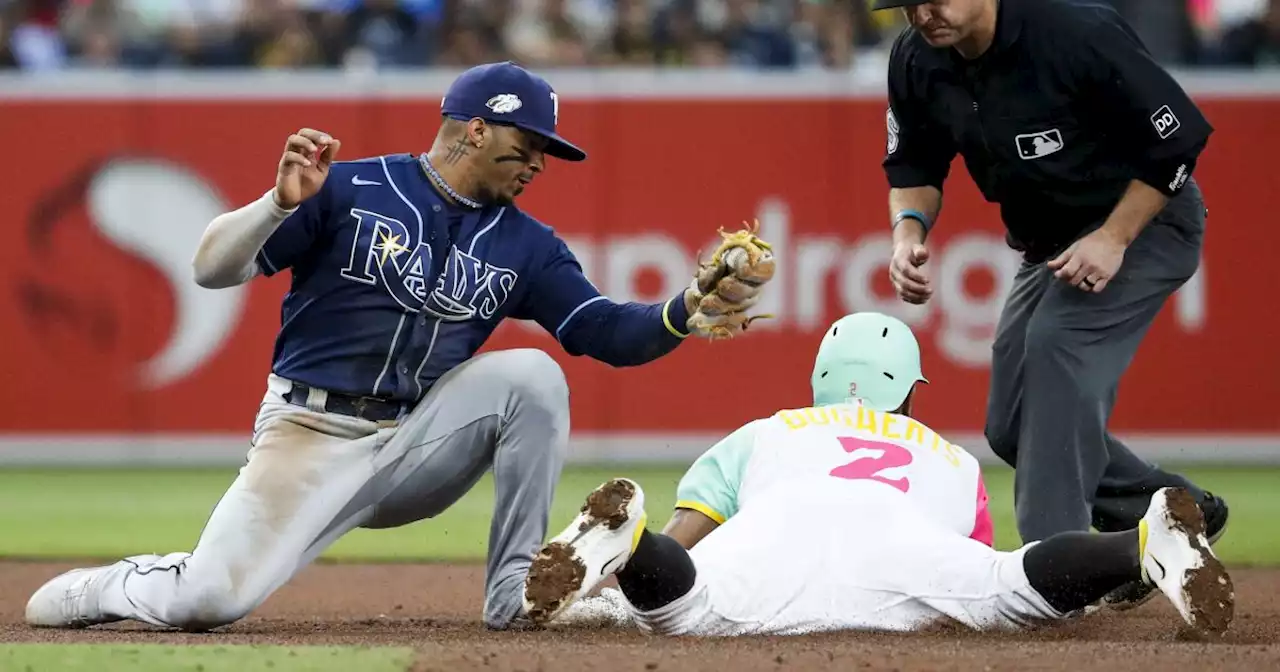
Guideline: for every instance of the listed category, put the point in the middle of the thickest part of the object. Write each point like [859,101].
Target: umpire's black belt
[365,408]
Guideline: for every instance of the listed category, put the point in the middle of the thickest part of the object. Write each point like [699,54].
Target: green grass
[111,513]
[204,658]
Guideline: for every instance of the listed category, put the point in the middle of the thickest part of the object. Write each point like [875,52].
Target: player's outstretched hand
[304,166]
[728,284]
[907,274]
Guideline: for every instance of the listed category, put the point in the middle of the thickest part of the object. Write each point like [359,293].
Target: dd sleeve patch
[1165,122]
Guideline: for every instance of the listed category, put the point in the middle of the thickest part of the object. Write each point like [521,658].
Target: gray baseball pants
[1058,357]
[313,476]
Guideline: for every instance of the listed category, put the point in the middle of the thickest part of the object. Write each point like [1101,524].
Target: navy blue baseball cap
[505,93]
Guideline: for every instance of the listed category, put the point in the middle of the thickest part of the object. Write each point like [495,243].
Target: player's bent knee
[534,376]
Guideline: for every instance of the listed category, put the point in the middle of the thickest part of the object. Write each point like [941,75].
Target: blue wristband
[912,214]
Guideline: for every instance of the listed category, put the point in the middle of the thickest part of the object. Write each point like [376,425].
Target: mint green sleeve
[711,485]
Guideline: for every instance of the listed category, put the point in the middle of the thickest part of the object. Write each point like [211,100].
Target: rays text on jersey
[385,252]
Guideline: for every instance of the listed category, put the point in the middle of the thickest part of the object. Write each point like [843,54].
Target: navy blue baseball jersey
[393,285]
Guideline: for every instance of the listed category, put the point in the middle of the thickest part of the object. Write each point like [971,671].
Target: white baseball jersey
[797,457]
[843,518]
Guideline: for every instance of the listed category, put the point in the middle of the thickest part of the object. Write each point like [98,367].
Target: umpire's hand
[304,166]
[905,269]
[1090,262]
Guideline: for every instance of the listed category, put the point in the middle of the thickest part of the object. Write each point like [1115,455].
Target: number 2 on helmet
[869,468]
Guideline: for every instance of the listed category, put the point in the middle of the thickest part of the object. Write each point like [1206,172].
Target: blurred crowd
[58,34]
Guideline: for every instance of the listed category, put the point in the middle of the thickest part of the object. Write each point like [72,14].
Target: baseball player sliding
[378,412]
[852,515]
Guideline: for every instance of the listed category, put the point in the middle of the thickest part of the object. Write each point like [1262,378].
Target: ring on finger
[1089,282]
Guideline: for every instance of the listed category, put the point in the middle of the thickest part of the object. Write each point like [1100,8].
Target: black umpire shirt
[1057,117]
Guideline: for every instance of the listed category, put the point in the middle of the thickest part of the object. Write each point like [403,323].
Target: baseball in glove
[729,283]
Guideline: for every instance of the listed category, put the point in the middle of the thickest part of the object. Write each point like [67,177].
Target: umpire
[1064,119]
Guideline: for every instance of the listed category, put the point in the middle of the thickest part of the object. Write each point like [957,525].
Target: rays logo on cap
[504,103]
[506,93]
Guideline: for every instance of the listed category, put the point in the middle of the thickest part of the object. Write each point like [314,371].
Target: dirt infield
[435,609]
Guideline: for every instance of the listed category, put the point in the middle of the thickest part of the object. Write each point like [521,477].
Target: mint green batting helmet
[869,356]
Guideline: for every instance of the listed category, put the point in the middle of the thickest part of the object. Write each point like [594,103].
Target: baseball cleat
[72,599]
[598,542]
[1175,557]
[1137,593]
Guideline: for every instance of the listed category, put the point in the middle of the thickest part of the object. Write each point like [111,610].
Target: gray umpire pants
[1058,357]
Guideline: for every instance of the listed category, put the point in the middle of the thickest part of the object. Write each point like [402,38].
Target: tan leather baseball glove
[729,283]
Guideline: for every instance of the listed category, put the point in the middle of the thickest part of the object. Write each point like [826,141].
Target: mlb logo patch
[1165,122]
[1039,145]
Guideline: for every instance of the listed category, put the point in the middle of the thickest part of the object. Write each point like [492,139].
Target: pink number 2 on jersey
[865,468]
